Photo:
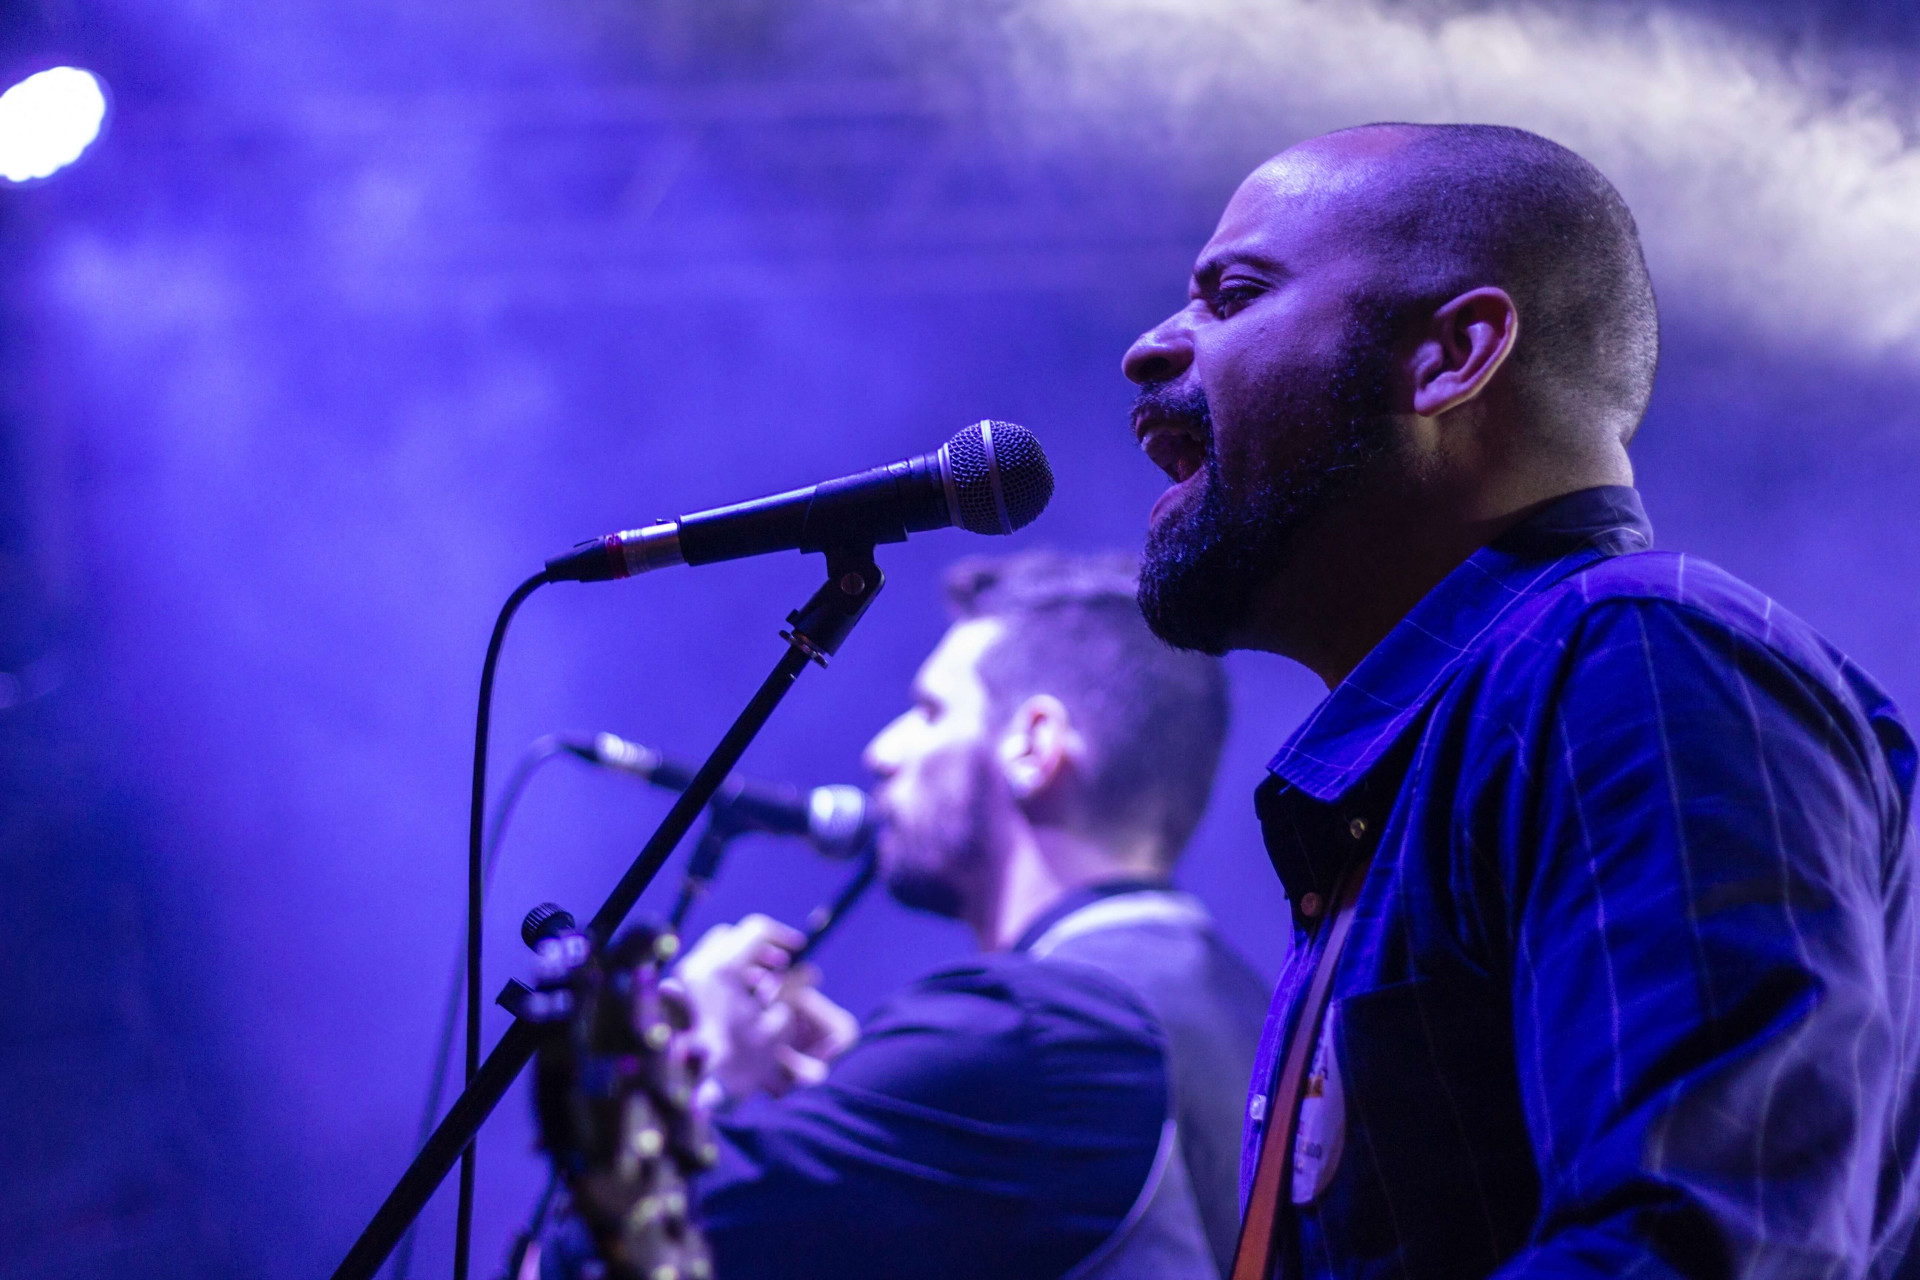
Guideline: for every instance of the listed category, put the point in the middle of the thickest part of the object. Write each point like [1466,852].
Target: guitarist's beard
[930,864]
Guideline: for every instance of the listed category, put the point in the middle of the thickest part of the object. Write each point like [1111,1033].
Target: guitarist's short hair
[1154,717]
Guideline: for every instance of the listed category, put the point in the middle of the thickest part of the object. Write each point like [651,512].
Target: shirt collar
[1074,899]
[1366,713]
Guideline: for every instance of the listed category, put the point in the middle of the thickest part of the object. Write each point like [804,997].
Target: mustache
[1187,405]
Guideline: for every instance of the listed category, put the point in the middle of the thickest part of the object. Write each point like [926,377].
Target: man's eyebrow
[1209,270]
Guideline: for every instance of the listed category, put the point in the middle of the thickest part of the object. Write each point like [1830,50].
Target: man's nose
[878,759]
[1161,354]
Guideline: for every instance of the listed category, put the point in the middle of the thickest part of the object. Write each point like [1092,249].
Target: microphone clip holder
[819,627]
[815,633]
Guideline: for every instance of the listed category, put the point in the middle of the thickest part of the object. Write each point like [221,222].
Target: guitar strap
[1260,1231]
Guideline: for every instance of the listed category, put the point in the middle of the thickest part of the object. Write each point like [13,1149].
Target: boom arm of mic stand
[815,633]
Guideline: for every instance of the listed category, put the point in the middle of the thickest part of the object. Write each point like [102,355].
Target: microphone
[836,820]
[990,478]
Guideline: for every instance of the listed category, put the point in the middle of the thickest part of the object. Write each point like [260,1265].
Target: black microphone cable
[476,890]
[538,752]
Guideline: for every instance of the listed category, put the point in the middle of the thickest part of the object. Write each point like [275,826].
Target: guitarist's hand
[759,1022]
[822,1030]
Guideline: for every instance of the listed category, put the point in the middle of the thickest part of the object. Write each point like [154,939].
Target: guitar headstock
[613,1090]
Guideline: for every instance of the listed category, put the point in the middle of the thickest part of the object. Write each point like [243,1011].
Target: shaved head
[1448,208]
[1398,339]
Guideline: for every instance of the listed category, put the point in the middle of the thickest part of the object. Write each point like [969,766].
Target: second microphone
[838,820]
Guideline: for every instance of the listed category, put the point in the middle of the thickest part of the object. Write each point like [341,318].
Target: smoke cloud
[1769,193]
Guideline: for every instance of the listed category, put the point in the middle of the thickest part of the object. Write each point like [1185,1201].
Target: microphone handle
[762,808]
[745,804]
[671,775]
[881,504]
[777,808]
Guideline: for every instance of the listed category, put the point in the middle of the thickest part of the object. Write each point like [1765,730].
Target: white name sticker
[1322,1133]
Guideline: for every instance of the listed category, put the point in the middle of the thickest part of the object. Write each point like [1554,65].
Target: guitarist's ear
[1041,749]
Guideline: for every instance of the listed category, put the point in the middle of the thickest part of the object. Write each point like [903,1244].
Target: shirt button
[1357,828]
[1310,905]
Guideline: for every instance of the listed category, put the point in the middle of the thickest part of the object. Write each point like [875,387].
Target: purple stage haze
[359,311]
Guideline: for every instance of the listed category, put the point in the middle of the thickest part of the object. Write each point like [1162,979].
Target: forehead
[1304,205]
[951,665]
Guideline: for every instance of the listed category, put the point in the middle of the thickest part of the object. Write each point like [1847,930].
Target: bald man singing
[1600,862]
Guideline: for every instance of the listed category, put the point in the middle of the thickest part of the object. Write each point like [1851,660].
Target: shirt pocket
[1437,1175]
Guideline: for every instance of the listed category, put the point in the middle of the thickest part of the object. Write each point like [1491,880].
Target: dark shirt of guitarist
[1065,1103]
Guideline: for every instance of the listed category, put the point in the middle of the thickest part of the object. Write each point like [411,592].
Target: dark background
[360,310]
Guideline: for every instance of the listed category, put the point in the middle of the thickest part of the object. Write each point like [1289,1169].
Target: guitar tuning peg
[632,1091]
[547,920]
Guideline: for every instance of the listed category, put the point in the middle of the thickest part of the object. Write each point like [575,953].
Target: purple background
[363,309]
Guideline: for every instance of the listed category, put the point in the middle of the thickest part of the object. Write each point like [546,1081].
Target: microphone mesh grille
[837,814]
[1026,481]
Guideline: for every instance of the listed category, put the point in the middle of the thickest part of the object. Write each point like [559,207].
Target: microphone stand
[815,634]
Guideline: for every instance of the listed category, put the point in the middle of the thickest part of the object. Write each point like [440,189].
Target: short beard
[924,889]
[936,879]
[1204,567]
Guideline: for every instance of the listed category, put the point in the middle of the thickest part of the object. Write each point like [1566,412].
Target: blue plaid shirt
[1631,983]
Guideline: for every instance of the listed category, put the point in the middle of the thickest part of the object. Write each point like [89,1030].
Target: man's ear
[1039,747]
[1466,342]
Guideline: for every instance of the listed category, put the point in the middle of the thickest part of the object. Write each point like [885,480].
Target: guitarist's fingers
[823,1030]
[763,930]
[800,1068]
[776,1025]
[768,958]
[713,952]
[742,954]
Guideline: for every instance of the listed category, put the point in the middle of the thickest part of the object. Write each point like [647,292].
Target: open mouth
[1177,447]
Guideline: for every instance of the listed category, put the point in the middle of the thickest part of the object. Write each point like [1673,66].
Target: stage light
[47,121]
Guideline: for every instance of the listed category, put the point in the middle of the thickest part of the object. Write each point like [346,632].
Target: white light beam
[47,121]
